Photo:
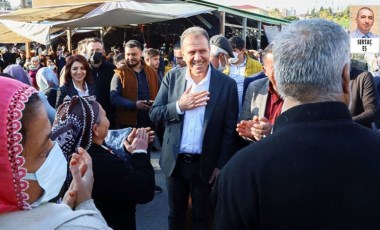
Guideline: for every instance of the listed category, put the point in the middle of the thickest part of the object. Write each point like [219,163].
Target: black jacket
[318,170]
[103,76]
[69,90]
[119,185]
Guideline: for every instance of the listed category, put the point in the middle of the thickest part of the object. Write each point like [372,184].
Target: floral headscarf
[13,96]
[72,127]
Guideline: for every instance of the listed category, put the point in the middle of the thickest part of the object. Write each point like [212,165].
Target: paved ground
[154,215]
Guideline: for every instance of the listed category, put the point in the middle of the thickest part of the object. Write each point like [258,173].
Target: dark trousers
[184,181]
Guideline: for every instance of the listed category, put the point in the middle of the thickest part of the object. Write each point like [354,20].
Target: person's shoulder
[357,74]
[177,71]
[354,34]
[243,161]
[259,83]
[107,65]
[256,76]
[372,35]
[219,74]
[222,77]
[252,60]
[64,87]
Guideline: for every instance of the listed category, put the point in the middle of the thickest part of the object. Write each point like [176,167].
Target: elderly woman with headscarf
[16,72]
[32,71]
[33,169]
[47,82]
[119,184]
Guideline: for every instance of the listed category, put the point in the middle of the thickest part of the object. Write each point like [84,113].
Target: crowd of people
[288,139]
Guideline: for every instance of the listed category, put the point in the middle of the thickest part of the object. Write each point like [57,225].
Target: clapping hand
[255,129]
[128,142]
[81,186]
[261,128]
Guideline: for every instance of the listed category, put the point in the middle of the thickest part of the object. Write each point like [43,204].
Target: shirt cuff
[139,151]
[177,108]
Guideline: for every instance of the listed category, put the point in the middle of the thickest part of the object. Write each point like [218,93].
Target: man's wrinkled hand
[261,129]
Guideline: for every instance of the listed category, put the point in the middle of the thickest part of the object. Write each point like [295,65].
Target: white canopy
[119,13]
[115,13]
[20,32]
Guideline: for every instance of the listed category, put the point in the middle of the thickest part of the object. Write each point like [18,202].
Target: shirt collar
[360,34]
[79,90]
[203,81]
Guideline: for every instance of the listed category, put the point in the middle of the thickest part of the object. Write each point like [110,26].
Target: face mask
[96,57]
[52,67]
[234,59]
[50,176]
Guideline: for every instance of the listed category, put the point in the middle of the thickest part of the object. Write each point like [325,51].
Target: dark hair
[119,57]
[133,44]
[237,42]
[30,112]
[70,62]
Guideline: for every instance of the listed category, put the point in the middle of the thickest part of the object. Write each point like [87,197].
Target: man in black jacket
[102,72]
[319,169]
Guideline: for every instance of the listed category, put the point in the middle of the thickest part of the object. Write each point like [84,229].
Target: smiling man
[133,89]
[200,106]
[364,22]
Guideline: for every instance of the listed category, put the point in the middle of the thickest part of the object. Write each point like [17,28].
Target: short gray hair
[309,60]
[197,31]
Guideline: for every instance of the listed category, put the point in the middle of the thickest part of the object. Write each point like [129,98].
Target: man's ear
[95,131]
[346,84]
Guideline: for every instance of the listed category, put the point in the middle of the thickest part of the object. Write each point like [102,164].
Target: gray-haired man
[318,169]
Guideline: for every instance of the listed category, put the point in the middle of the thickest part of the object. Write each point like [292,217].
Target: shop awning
[21,32]
[62,13]
[119,13]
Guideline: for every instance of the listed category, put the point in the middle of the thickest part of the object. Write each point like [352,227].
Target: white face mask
[50,176]
[234,59]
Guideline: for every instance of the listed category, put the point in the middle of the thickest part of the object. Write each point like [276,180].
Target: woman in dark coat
[77,80]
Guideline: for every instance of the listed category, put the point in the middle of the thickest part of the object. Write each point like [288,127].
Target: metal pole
[69,45]
[259,36]
[27,50]
[244,32]
[222,22]
[101,34]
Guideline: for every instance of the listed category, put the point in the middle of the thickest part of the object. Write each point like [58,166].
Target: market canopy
[120,13]
[61,13]
[21,32]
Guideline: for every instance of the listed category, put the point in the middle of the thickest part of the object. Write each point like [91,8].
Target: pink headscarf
[13,96]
